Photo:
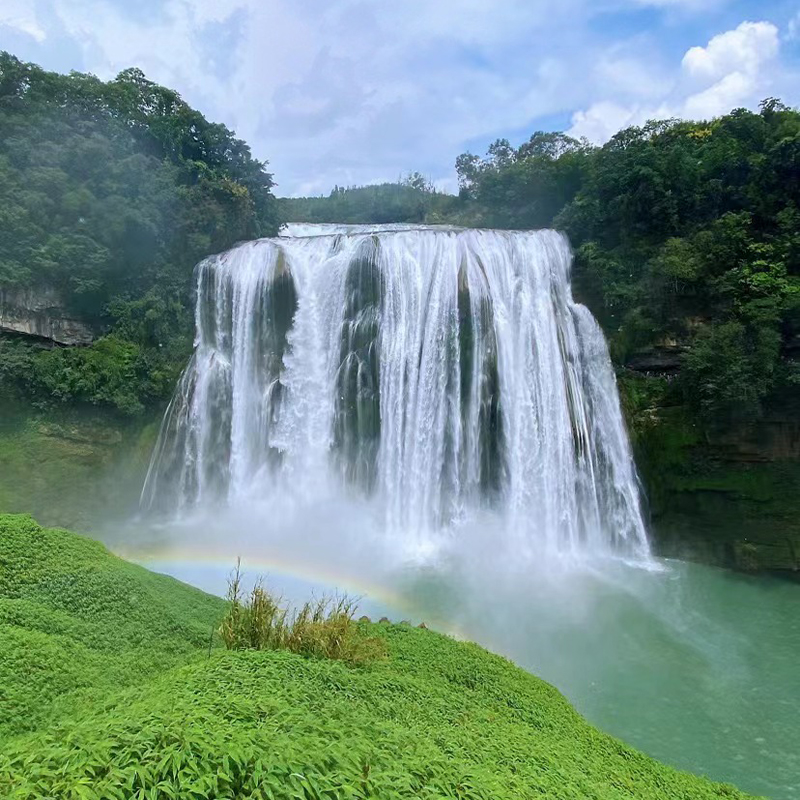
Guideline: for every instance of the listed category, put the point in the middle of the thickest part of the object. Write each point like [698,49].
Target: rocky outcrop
[41,313]
[774,438]
[76,467]
[732,522]
[661,359]
[724,495]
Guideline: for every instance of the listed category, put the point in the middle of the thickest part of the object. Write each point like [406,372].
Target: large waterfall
[445,374]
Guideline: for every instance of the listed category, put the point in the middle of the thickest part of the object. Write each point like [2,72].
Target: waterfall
[443,373]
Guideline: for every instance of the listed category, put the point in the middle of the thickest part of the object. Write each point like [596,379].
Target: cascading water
[442,372]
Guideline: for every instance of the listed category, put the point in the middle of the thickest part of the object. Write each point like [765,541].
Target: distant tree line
[410,199]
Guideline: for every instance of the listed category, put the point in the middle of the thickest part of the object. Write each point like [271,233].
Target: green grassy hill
[77,622]
[108,690]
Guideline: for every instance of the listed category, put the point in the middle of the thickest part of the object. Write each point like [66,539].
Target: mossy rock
[74,467]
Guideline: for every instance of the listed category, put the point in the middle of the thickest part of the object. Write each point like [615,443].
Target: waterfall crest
[441,372]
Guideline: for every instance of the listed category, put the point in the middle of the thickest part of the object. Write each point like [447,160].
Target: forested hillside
[109,195]
[685,232]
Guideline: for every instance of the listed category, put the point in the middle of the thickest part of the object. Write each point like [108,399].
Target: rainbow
[171,559]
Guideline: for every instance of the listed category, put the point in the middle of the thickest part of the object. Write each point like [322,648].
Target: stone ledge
[40,313]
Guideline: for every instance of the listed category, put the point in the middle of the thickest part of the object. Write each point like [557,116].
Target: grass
[321,628]
[76,621]
[131,703]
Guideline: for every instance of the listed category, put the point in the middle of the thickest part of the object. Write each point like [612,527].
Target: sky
[361,91]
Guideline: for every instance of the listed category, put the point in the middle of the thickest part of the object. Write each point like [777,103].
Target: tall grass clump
[320,628]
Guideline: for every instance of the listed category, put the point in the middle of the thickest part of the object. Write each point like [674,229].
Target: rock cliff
[729,497]
[40,313]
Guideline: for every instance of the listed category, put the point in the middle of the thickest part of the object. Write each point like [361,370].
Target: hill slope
[76,622]
[438,718]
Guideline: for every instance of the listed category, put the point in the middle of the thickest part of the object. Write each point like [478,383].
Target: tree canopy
[111,192]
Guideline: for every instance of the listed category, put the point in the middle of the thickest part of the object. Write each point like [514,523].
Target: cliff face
[734,503]
[73,467]
[728,497]
[40,313]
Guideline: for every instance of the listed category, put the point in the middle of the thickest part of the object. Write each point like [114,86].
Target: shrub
[321,628]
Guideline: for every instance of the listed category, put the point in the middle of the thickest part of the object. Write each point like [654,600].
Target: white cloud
[735,64]
[731,91]
[630,76]
[19,16]
[602,120]
[734,69]
[741,50]
[352,92]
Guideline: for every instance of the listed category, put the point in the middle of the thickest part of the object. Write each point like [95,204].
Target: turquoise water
[696,666]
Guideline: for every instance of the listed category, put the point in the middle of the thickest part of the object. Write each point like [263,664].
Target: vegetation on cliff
[71,465]
[111,192]
[110,690]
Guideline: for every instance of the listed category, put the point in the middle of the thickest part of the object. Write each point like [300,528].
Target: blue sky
[358,91]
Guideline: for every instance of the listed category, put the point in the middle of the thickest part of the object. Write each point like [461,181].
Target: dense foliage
[437,718]
[111,192]
[685,232]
